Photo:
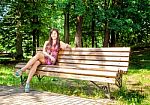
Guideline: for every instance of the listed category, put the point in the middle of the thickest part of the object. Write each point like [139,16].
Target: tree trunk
[37,39]
[96,43]
[106,32]
[34,34]
[113,39]
[19,51]
[78,36]
[34,41]
[106,36]
[115,35]
[93,34]
[66,27]
[93,25]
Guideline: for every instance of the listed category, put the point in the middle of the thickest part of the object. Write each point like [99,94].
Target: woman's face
[54,35]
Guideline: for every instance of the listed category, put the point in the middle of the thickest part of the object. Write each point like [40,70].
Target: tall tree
[78,35]
[19,51]
[93,23]
[66,23]
[79,11]
[106,28]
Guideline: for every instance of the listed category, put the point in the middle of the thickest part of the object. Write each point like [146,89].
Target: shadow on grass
[140,59]
[68,87]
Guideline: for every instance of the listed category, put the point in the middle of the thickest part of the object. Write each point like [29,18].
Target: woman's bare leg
[32,71]
[38,56]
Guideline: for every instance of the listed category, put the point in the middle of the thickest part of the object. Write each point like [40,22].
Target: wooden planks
[96,58]
[83,67]
[81,77]
[111,54]
[108,49]
[78,71]
[105,63]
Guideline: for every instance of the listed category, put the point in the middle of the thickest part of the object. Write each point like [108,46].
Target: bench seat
[75,73]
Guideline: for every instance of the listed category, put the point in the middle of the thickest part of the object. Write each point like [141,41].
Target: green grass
[135,90]
[6,76]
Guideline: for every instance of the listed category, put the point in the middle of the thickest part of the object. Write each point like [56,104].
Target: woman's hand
[50,56]
[64,45]
[68,46]
[45,53]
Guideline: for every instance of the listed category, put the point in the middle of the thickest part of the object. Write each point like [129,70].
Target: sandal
[18,73]
[27,88]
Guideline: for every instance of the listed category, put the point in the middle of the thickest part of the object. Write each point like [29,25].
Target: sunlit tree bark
[66,26]
[78,36]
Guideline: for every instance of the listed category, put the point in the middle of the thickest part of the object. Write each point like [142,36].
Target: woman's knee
[38,55]
[37,63]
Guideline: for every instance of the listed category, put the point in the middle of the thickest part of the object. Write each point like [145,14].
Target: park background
[25,25]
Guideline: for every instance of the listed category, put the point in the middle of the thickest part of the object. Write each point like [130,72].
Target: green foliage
[129,20]
[135,24]
[7,77]
[25,12]
[79,8]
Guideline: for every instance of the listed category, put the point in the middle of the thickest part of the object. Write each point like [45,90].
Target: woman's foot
[27,88]
[18,73]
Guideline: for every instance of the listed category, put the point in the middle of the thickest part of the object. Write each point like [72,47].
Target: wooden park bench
[105,65]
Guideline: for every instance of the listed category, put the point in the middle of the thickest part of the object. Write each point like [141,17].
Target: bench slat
[77,71]
[121,49]
[101,58]
[86,67]
[108,67]
[122,54]
[93,62]
[81,77]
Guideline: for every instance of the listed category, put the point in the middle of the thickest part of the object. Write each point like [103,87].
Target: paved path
[16,96]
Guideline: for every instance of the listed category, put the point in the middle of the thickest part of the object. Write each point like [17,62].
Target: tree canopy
[25,24]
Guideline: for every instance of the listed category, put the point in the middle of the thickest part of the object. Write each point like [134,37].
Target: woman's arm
[64,45]
[44,50]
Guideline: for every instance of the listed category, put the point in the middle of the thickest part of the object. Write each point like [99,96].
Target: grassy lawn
[135,90]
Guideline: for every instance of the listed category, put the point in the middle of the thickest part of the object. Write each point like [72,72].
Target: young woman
[48,56]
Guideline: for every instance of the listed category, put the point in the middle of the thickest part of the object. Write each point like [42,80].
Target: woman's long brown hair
[51,40]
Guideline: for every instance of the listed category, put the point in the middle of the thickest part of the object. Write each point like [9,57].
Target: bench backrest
[102,59]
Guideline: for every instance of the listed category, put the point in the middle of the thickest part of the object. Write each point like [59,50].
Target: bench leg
[22,80]
[119,80]
[96,84]
[106,89]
